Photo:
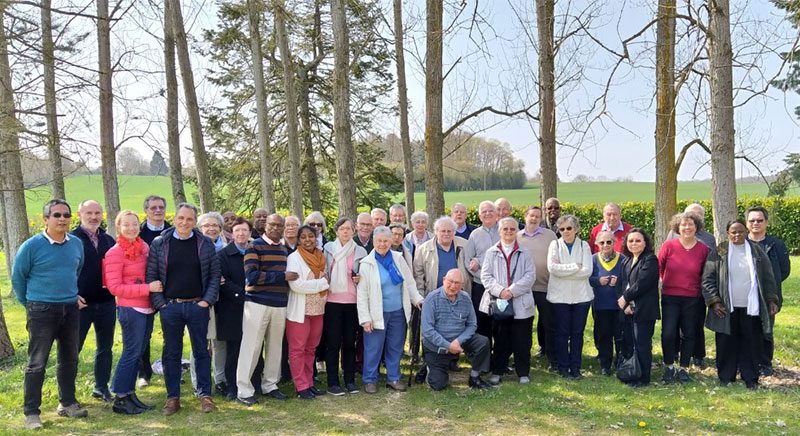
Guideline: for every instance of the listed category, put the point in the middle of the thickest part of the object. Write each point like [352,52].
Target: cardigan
[569,272]
[296,307]
[370,300]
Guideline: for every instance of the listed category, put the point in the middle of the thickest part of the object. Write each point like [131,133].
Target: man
[398,214]
[479,241]
[227,229]
[97,305]
[504,209]
[364,227]
[459,215]
[259,222]
[448,329]
[612,222]
[553,209]
[536,239]
[378,217]
[45,281]
[757,223]
[264,320]
[184,273]
[432,261]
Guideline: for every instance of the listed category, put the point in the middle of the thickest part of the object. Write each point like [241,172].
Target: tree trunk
[53,138]
[193,109]
[434,141]
[402,101]
[309,164]
[723,170]
[545,17]
[173,133]
[345,152]
[666,169]
[108,157]
[254,9]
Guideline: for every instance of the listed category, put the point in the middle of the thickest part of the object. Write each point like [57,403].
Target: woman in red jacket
[123,274]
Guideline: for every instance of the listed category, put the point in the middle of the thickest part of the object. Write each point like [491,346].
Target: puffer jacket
[125,278]
[494,276]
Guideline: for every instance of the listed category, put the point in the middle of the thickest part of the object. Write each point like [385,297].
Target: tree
[434,139]
[666,168]
[173,134]
[158,167]
[53,135]
[545,19]
[131,163]
[402,102]
[108,156]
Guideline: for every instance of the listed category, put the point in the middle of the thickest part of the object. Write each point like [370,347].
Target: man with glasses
[480,240]
[552,208]
[364,226]
[155,207]
[45,281]
[612,222]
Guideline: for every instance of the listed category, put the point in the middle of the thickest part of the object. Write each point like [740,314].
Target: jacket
[426,265]
[124,278]
[209,266]
[639,285]
[779,259]
[715,288]
[569,272]
[90,279]
[296,308]
[408,242]
[370,299]
[494,276]
[230,304]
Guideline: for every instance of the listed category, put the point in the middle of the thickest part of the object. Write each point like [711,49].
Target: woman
[569,261]
[398,234]
[340,321]
[680,264]
[304,311]
[386,292]
[123,273]
[606,270]
[419,232]
[508,274]
[638,298]
[210,224]
[317,221]
[739,288]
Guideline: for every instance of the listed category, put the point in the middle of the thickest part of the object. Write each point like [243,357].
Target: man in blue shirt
[45,281]
[448,329]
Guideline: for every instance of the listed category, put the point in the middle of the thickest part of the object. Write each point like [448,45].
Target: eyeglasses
[565,229]
[61,215]
[208,226]
[156,207]
[553,208]
[755,221]
[315,224]
[605,242]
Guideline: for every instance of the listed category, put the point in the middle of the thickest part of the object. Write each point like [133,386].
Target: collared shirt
[154,228]
[462,228]
[53,241]
[444,320]
[619,228]
[270,241]
[525,233]
[93,236]
[177,236]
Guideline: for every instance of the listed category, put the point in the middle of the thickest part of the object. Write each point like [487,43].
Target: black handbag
[501,315]
[629,370]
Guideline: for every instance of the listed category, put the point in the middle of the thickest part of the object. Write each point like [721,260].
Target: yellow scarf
[608,266]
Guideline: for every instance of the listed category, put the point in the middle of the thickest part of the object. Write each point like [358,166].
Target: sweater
[265,273]
[569,272]
[304,285]
[619,236]
[47,273]
[479,241]
[537,247]
[183,269]
[90,280]
[605,296]
[148,235]
[444,320]
[680,269]
[124,277]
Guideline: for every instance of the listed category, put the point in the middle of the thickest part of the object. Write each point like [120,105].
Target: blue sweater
[605,297]
[47,273]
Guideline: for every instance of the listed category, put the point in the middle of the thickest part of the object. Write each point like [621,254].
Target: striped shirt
[265,273]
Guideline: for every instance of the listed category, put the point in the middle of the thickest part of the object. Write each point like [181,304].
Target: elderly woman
[304,310]
[290,227]
[211,224]
[419,232]
[123,274]
[340,322]
[386,292]
[739,288]
[637,292]
[398,236]
[508,274]
[569,261]
[316,220]
[680,264]
[606,270]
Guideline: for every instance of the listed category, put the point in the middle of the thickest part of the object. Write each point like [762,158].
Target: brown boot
[207,404]
[173,406]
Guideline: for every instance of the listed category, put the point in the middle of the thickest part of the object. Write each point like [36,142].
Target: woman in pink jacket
[123,273]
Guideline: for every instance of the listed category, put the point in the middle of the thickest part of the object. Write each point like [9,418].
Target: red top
[618,234]
[681,270]
[124,277]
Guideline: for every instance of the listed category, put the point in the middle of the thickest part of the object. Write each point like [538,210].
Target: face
[290,227]
[241,234]
[397,216]
[364,225]
[156,209]
[635,242]
[91,215]
[503,209]
[211,228]
[317,225]
[445,234]
[756,223]
[378,219]
[488,215]
[129,227]
[508,232]
[274,228]
[308,240]
[605,243]
[420,225]
[459,215]
[533,218]
[452,284]
[345,232]
[260,219]
[611,215]
[58,221]
[398,234]
[737,233]
[185,220]
[686,228]
[568,231]
[553,209]
[382,244]
[228,218]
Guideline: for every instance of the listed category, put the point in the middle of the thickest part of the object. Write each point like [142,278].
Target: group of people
[272,297]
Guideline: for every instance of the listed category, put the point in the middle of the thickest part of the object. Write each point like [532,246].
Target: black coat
[90,280]
[230,306]
[640,285]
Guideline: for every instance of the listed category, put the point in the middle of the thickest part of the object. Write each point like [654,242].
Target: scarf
[133,249]
[608,265]
[752,296]
[387,262]
[339,271]
[314,259]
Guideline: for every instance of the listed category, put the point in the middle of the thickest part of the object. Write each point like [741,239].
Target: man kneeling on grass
[448,329]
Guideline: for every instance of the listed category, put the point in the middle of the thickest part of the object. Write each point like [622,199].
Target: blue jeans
[104,318]
[136,330]
[388,343]
[570,324]
[174,318]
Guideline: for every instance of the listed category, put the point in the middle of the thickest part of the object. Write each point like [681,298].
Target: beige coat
[370,298]
[426,266]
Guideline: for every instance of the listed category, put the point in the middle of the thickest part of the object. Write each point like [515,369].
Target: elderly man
[504,210]
[480,240]
[459,215]
[398,214]
[184,263]
[757,220]
[364,227]
[379,217]
[552,208]
[155,207]
[97,305]
[536,239]
[259,222]
[45,281]
[448,329]
[612,222]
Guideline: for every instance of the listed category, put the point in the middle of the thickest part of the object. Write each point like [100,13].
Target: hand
[81,302]
[455,347]
[156,286]
[322,275]
[506,294]
[419,305]
[323,294]
[222,280]
[621,302]
[367,327]
[202,303]
[356,278]
[613,281]
[604,280]
[311,276]
[773,308]
[719,310]
[628,310]
[291,276]
[474,266]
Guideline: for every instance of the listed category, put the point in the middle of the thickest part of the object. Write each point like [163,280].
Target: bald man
[504,210]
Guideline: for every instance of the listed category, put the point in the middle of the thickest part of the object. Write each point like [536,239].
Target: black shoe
[248,401]
[478,383]
[336,390]
[669,375]
[564,373]
[683,376]
[422,374]
[316,391]
[576,374]
[454,366]
[277,395]
[139,402]
[351,388]
[553,367]
[102,395]
[306,394]
[125,406]
[752,385]
[767,370]
[230,396]
[605,371]
[699,362]
[222,388]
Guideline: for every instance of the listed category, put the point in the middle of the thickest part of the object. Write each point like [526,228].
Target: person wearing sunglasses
[606,270]
[552,209]
[569,261]
[45,281]
[316,220]
[612,222]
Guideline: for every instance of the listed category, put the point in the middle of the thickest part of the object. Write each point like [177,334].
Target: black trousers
[679,314]
[340,324]
[477,351]
[607,335]
[741,349]
[644,344]
[768,346]
[414,330]
[699,351]
[512,336]
[232,349]
[484,320]
[545,326]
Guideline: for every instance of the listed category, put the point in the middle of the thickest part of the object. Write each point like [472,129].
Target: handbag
[629,369]
[500,315]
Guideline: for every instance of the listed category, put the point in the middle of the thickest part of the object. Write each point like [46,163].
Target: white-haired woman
[419,231]
[316,220]
[210,224]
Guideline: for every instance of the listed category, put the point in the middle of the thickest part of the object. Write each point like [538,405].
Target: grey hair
[487,203]
[612,204]
[509,219]
[380,211]
[608,233]
[382,231]
[399,206]
[209,216]
[363,215]
[150,198]
[187,206]
[444,220]
[54,202]
[316,215]
[571,219]
[455,205]
[420,214]
[293,217]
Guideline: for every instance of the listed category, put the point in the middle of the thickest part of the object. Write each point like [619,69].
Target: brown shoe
[172,407]
[207,404]
[371,388]
[396,385]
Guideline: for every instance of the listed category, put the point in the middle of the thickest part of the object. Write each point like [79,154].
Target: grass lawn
[549,405]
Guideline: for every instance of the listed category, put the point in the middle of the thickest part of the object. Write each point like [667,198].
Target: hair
[242,220]
[363,215]
[187,206]
[380,211]
[509,219]
[502,200]
[552,199]
[571,219]
[54,202]
[420,214]
[679,217]
[315,215]
[612,204]
[532,207]
[487,203]
[455,205]
[293,217]
[306,227]
[648,244]
[606,233]
[342,221]
[736,221]
[444,220]
[85,202]
[210,216]
[122,214]
[757,209]
[150,198]
[401,226]
[382,231]
[398,206]
[695,206]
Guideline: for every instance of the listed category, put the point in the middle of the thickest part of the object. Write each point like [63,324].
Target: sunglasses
[315,224]
[605,242]
[553,207]
[61,215]
[565,229]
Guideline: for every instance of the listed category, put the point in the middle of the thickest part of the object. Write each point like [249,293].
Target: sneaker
[351,388]
[478,383]
[126,406]
[683,376]
[524,380]
[336,390]
[494,380]
[222,388]
[72,411]
[142,383]
[317,392]
[699,362]
[103,395]
[248,401]
[33,422]
[276,394]
[669,375]
[139,402]
[306,394]
[766,370]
